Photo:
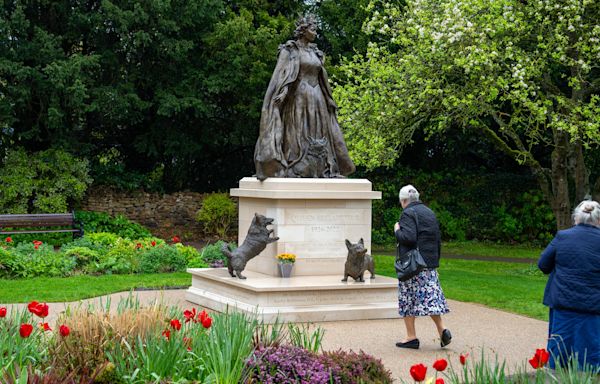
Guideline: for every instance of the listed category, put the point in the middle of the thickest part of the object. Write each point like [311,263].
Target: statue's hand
[279,98]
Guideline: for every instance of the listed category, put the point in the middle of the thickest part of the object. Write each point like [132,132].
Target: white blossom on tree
[524,75]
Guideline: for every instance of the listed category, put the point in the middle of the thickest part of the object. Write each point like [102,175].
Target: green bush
[30,260]
[212,254]
[55,239]
[162,259]
[105,239]
[82,255]
[119,225]
[191,254]
[218,214]
[470,205]
[383,231]
[43,182]
[452,228]
[122,257]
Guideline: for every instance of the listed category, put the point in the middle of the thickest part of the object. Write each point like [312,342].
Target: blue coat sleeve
[548,257]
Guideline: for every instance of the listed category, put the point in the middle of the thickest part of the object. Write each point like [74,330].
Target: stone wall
[165,215]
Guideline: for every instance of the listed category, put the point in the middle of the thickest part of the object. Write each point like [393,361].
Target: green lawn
[473,248]
[513,287]
[480,249]
[55,289]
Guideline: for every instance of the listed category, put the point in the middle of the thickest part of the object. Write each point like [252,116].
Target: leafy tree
[523,75]
[44,182]
[167,90]
[340,31]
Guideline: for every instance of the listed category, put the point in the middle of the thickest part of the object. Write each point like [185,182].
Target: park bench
[40,223]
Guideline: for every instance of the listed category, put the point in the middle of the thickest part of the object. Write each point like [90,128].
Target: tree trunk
[580,173]
[596,190]
[560,203]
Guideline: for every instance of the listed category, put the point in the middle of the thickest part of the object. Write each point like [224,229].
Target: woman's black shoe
[413,344]
[446,338]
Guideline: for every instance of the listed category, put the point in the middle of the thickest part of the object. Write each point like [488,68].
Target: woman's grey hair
[408,192]
[587,212]
[302,25]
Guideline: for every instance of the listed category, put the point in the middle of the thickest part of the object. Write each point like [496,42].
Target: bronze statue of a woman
[299,132]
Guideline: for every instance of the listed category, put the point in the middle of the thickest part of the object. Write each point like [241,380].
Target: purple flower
[289,365]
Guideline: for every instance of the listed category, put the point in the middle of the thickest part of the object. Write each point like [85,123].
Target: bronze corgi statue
[358,262]
[256,241]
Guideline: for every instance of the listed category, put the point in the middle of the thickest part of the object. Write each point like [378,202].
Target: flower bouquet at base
[285,263]
[286,258]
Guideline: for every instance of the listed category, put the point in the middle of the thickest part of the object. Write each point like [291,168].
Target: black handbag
[412,262]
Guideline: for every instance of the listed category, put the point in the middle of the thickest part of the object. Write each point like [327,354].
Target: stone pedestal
[313,218]
[295,299]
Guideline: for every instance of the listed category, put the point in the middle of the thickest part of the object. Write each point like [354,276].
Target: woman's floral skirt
[422,295]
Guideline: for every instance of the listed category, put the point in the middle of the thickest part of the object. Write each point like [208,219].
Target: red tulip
[176,324]
[440,365]
[45,327]
[540,358]
[25,330]
[64,330]
[153,243]
[189,315]
[418,372]
[3,312]
[167,334]
[439,380]
[8,239]
[38,309]
[207,322]
[463,358]
[138,246]
[202,315]
[37,242]
[36,247]
[176,239]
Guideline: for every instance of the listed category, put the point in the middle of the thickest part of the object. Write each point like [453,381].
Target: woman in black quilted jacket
[422,294]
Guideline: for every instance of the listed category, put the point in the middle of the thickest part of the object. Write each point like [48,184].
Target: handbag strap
[417,227]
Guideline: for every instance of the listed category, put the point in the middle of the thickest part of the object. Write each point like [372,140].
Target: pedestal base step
[295,299]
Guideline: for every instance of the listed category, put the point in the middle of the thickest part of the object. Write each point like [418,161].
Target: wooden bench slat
[12,222]
[36,220]
[42,231]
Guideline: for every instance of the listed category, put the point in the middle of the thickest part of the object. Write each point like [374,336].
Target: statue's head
[306,27]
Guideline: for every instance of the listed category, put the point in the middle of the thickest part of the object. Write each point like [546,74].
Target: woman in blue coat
[573,290]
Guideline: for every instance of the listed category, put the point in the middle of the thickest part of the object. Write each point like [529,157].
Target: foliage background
[166,96]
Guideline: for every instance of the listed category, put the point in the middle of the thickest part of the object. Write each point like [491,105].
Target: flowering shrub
[96,253]
[8,242]
[350,367]
[287,364]
[286,258]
